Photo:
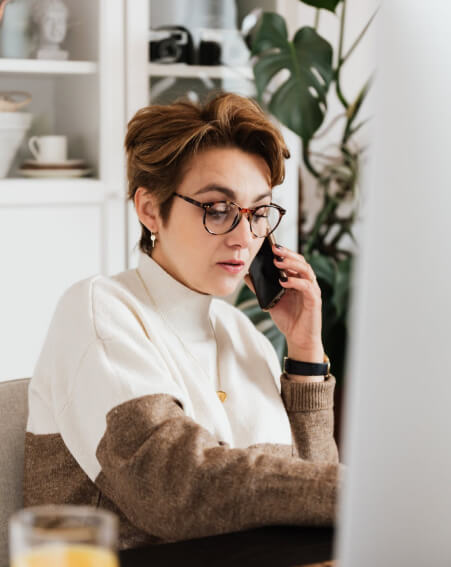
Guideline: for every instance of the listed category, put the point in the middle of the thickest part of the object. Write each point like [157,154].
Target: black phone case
[265,277]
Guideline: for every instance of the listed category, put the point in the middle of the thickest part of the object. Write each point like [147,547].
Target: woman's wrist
[314,353]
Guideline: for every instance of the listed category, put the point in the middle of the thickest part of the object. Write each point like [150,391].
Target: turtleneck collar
[185,310]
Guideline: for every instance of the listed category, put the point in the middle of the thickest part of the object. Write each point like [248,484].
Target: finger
[294,264]
[314,283]
[248,282]
[297,266]
[309,289]
[286,252]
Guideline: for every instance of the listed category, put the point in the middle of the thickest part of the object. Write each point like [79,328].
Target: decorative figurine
[51,18]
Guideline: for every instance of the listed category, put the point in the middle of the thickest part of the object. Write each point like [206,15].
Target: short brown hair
[161,140]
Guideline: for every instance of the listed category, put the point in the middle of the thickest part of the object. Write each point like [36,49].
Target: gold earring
[153,239]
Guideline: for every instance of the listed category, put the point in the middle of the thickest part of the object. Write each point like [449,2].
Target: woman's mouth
[232,266]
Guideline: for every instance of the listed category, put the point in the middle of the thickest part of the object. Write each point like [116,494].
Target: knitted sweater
[123,414]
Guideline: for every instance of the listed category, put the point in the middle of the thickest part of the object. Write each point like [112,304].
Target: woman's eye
[220,208]
[217,213]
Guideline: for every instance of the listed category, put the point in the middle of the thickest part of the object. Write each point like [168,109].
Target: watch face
[327,361]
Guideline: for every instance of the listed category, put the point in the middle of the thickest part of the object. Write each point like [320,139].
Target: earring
[153,239]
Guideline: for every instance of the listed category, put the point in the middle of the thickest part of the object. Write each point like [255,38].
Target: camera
[171,44]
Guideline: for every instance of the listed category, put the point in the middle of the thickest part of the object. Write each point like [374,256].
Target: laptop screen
[396,505]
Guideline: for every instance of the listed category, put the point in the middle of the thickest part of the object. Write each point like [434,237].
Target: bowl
[13,126]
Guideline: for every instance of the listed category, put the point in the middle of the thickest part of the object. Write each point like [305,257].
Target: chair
[13,420]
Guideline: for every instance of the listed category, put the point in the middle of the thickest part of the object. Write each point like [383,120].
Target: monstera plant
[294,80]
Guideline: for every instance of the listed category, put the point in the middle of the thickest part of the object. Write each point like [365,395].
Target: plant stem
[306,158]
[340,94]
[342,32]
[347,130]
[359,38]
[330,205]
[354,109]
[359,125]
[329,126]
[316,24]
[345,229]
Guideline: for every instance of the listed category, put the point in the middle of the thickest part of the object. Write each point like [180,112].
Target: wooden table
[278,546]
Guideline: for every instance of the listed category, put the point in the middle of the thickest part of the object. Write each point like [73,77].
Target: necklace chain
[220,393]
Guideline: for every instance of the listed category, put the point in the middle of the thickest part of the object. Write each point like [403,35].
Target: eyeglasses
[222,217]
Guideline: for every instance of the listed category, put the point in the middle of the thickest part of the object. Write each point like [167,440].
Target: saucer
[54,172]
[66,164]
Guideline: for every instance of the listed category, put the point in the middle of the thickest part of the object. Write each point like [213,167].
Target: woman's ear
[147,209]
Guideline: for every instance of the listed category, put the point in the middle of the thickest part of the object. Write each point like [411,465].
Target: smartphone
[265,276]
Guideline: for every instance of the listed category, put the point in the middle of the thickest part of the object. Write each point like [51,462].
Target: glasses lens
[220,217]
[264,220]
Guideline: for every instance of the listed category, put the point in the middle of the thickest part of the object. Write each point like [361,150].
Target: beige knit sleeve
[310,411]
[172,479]
[309,407]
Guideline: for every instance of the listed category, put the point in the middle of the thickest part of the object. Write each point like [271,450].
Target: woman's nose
[241,235]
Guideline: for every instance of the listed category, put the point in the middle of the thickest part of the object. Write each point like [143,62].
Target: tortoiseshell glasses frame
[214,208]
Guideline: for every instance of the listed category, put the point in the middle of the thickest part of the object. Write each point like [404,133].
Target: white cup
[48,149]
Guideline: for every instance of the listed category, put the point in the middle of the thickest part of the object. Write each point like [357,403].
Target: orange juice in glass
[63,536]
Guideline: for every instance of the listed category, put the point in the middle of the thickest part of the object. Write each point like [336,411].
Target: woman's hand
[298,313]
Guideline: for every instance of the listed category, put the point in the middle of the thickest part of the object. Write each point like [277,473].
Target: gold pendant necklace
[220,393]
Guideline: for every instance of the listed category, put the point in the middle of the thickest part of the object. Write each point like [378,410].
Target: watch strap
[299,368]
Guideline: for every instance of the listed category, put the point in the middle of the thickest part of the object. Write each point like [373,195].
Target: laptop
[396,505]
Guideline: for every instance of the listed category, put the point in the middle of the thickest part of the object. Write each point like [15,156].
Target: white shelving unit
[182,70]
[46,68]
[54,232]
[17,192]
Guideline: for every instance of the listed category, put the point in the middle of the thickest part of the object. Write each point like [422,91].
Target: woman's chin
[218,285]
[225,287]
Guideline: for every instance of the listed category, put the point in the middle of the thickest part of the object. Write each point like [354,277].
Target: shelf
[182,70]
[18,191]
[46,67]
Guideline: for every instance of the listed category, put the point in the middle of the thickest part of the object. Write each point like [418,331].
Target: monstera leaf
[300,101]
[337,275]
[326,4]
[323,266]
[342,286]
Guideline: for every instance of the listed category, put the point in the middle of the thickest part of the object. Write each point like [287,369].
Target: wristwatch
[291,366]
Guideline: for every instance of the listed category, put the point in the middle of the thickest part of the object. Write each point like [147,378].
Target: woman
[154,399]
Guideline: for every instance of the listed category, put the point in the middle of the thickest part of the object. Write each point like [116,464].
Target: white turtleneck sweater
[131,361]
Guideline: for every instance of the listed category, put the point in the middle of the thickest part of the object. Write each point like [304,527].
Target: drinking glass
[63,536]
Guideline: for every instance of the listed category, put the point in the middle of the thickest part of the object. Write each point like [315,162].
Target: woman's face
[184,248]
